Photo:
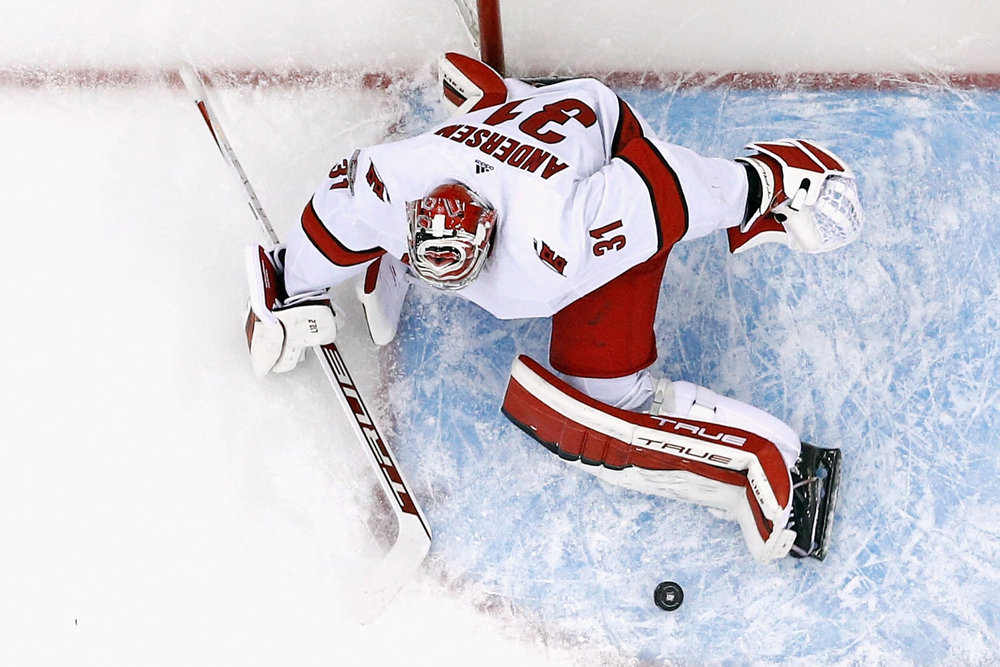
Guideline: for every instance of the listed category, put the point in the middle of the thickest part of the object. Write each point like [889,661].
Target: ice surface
[160,506]
[885,349]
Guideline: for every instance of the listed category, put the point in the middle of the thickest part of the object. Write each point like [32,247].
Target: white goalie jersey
[577,207]
[561,202]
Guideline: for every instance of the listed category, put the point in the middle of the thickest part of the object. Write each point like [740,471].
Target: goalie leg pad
[690,401]
[721,467]
[468,85]
[381,294]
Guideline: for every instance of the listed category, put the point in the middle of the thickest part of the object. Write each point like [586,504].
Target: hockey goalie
[559,201]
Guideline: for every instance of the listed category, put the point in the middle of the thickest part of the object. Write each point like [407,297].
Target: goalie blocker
[731,470]
[279,329]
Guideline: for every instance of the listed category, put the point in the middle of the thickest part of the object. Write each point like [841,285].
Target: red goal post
[482,19]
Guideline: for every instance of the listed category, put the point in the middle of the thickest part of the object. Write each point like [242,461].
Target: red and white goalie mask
[450,231]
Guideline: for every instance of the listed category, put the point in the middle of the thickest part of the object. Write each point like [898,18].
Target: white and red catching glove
[279,328]
[801,195]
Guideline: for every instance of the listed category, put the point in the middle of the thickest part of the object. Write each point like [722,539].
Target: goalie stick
[413,540]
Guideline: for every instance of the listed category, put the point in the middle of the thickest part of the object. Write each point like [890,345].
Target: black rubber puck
[668,596]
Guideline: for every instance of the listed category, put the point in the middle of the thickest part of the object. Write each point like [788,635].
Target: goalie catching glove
[801,195]
[279,328]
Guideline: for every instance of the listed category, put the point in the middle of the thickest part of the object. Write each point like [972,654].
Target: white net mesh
[470,17]
[838,213]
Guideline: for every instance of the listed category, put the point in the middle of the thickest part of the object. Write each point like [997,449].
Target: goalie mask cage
[482,20]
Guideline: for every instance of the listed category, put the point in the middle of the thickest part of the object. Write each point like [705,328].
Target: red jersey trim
[669,207]
[329,246]
[627,130]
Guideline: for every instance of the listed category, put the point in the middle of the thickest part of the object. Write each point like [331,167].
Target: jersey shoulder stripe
[669,206]
[328,244]
[628,128]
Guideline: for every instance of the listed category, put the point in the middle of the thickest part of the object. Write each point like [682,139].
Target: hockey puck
[668,596]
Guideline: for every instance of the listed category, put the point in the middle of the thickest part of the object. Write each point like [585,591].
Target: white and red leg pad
[718,466]
[690,401]
[382,293]
[468,84]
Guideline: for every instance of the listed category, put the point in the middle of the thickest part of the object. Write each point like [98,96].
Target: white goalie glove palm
[280,328]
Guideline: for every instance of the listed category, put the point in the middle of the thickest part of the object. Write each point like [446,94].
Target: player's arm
[792,192]
[289,308]
[332,241]
[326,249]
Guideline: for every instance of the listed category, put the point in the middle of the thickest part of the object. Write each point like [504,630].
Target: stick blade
[392,573]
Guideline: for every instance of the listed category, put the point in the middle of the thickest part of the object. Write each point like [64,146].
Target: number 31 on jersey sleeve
[607,241]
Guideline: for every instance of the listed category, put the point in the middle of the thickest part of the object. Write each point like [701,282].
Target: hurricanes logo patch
[376,183]
[550,258]
[482,167]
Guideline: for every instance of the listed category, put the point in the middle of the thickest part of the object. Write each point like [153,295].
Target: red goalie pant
[609,332]
[734,471]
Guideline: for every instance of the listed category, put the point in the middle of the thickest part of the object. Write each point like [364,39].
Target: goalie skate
[815,479]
